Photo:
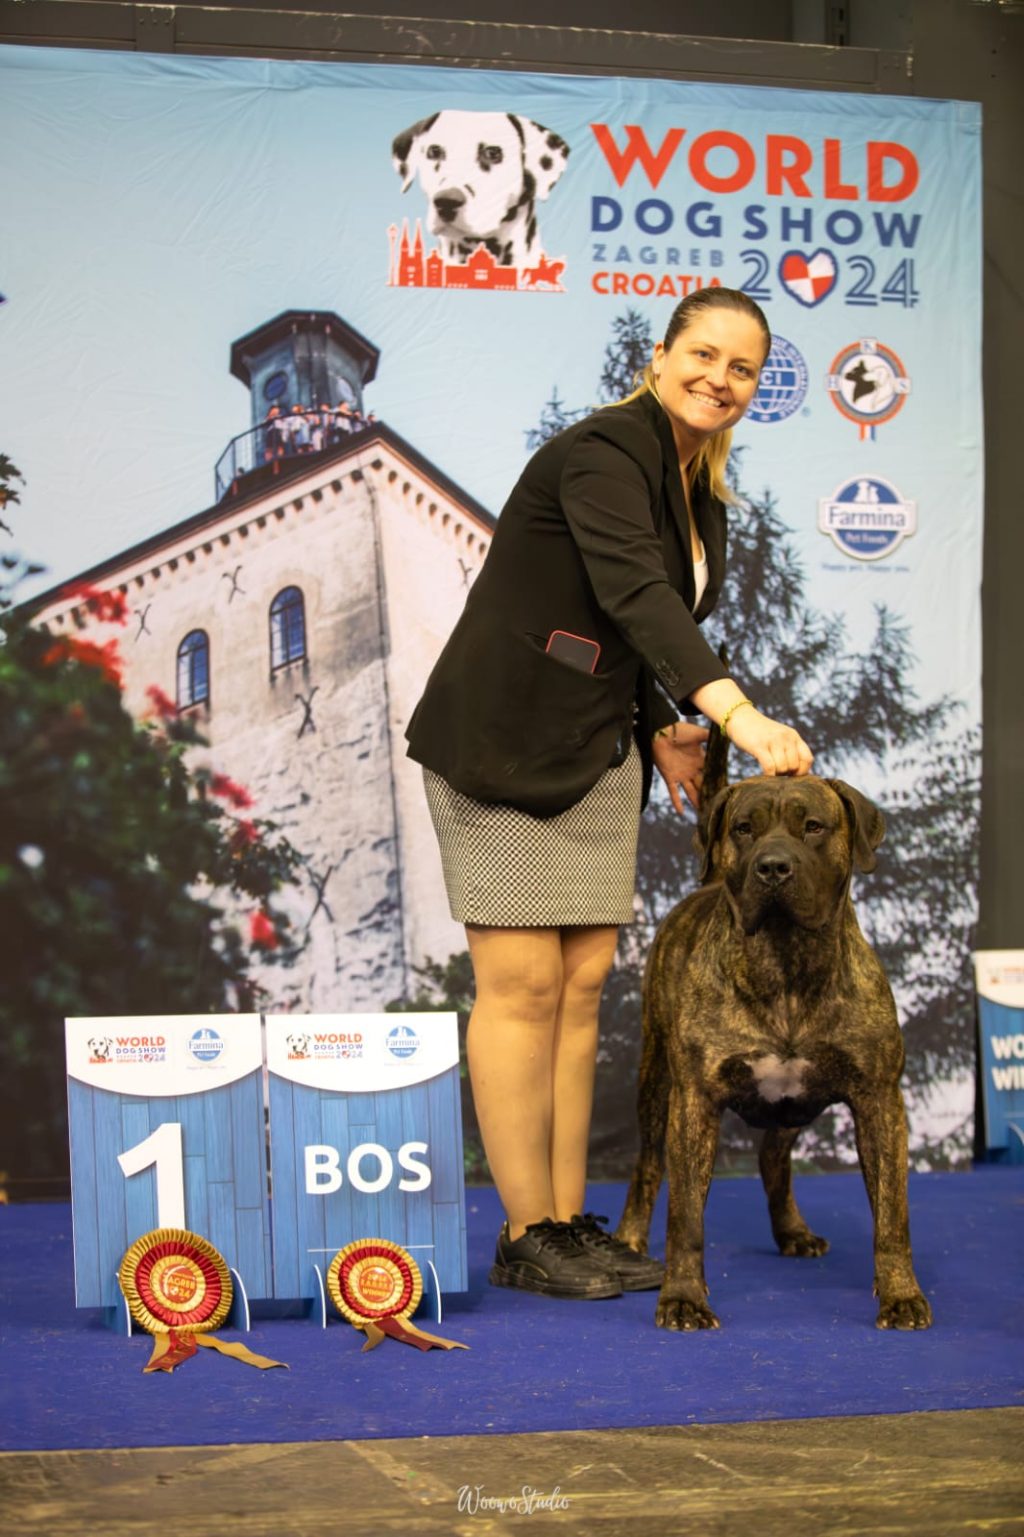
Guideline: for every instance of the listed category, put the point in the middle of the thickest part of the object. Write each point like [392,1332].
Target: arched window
[287,628]
[194,669]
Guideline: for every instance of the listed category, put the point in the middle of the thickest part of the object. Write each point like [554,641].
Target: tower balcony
[285,438]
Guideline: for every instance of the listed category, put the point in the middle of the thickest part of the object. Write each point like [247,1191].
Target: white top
[700,577]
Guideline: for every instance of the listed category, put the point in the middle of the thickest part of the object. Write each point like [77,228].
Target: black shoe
[549,1259]
[635,1272]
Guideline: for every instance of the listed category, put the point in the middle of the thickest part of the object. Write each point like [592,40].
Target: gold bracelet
[724,722]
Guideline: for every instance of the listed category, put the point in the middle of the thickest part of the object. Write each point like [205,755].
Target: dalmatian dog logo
[100,1047]
[298,1046]
[483,174]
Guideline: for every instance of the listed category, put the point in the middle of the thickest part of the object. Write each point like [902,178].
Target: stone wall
[383,559]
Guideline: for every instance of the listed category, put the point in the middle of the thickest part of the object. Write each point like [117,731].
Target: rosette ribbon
[377,1285]
[178,1288]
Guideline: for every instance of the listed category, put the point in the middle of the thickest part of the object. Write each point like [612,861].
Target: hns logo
[867,517]
[403,1042]
[206,1045]
[868,384]
[782,388]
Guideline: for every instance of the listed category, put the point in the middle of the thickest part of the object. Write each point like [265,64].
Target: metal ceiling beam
[294,34]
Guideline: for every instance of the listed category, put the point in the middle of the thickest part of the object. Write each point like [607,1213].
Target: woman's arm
[778,748]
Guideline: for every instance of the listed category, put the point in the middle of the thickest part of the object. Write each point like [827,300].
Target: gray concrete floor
[923,1474]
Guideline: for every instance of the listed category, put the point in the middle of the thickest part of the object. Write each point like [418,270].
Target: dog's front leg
[690,1145]
[791,1232]
[652,1109]
[880,1120]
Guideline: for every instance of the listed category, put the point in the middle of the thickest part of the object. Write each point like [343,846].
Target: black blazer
[594,539]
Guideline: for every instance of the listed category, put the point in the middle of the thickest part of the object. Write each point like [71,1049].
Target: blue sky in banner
[157,208]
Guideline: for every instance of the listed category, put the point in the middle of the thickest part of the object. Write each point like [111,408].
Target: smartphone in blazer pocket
[576,650]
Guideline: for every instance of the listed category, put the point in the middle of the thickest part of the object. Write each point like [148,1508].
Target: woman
[538,731]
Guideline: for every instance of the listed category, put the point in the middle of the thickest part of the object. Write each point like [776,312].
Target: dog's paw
[633,1239]
[682,1314]
[905,1313]
[802,1245]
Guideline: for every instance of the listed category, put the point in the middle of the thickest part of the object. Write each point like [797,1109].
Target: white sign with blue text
[365,1140]
[165,1117]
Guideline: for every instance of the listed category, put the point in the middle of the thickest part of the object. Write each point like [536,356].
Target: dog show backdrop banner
[279,338]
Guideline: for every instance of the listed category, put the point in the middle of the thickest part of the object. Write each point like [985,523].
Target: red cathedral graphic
[410,267]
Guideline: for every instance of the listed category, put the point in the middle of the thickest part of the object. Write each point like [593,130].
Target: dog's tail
[716,777]
[716,759]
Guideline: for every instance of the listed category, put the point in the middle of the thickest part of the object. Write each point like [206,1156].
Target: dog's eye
[742,827]
[492,152]
[435,152]
[812,826]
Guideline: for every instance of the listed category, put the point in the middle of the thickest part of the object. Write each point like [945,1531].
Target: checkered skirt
[506,869]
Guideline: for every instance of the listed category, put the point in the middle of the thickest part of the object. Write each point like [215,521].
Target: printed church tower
[297,618]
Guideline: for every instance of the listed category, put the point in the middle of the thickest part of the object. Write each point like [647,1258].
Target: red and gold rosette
[179,1289]
[377,1285]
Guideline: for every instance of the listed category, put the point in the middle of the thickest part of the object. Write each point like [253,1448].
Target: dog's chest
[776,1078]
[781,1087]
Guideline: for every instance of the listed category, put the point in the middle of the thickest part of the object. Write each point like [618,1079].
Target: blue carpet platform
[797,1338]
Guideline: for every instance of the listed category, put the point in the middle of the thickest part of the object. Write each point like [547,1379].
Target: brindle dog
[761,994]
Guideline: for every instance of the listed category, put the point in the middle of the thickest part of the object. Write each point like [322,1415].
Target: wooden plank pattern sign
[365,1138]
[166,1122]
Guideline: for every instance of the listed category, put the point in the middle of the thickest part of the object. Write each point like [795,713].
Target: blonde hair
[712,457]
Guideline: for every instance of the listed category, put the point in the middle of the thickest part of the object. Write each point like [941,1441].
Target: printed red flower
[245,833]
[160,704]
[262,932]
[112,607]
[235,794]
[107,659]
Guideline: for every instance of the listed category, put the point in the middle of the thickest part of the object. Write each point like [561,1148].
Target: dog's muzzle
[773,866]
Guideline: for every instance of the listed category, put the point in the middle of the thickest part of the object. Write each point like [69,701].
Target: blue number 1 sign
[166,1121]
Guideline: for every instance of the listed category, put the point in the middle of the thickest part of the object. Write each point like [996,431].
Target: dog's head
[479,170]
[298,1045]
[100,1046]
[788,847]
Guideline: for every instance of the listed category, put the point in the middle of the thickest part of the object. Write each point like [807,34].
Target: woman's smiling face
[708,377]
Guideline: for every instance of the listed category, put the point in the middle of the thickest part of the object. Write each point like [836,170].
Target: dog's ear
[404,154]
[709,831]
[866,822]
[544,152]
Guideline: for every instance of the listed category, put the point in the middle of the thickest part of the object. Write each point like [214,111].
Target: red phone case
[577,650]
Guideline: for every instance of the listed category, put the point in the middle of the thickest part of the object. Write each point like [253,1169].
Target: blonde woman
[558,692]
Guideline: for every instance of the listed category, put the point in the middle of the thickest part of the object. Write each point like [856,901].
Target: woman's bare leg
[509,1046]
[587,955]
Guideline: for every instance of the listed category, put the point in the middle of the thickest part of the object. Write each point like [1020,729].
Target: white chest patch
[777,1080]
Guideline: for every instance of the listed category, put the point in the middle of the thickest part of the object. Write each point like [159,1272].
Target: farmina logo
[403,1041]
[867,517]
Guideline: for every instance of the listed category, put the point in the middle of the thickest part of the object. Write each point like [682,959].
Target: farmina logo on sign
[205,1045]
[867,517]
[403,1042]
